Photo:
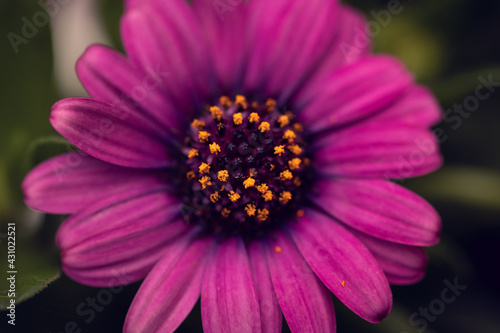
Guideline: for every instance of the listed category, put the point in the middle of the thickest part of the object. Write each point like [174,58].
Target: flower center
[246,166]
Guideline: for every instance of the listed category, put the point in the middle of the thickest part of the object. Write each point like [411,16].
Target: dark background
[448,44]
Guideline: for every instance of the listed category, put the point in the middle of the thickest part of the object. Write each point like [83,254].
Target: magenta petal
[289,40]
[402,264]
[171,289]
[381,209]
[350,45]
[125,233]
[305,302]
[417,107]
[383,150]
[228,297]
[165,37]
[270,312]
[97,128]
[66,183]
[344,265]
[354,92]
[110,77]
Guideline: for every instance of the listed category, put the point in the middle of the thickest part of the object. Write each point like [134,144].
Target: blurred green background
[447,44]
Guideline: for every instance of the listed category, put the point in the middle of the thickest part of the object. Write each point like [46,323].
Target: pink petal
[402,264]
[270,312]
[110,77]
[166,36]
[126,233]
[305,302]
[354,92]
[344,265]
[381,150]
[288,41]
[417,107]
[228,297]
[171,289]
[225,26]
[97,128]
[350,45]
[379,208]
[66,183]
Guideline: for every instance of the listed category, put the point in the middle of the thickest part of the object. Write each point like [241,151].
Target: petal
[270,312]
[381,209]
[351,44]
[305,302]
[110,77]
[97,128]
[96,242]
[288,41]
[66,183]
[382,150]
[402,264]
[344,265]
[224,24]
[171,289]
[416,107]
[167,36]
[353,93]
[228,298]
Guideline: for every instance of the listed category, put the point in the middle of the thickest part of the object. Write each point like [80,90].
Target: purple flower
[240,153]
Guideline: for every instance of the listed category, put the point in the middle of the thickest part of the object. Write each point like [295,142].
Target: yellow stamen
[241,101]
[223,175]
[262,214]
[300,213]
[295,149]
[225,101]
[192,153]
[307,161]
[285,196]
[254,117]
[264,126]
[233,196]
[249,182]
[297,182]
[237,118]
[294,163]
[203,136]
[190,175]
[343,284]
[277,249]
[298,128]
[220,126]
[216,112]
[270,104]
[262,188]
[225,212]
[250,209]
[283,120]
[268,196]
[289,135]
[214,148]
[271,168]
[255,105]
[205,181]
[214,197]
[204,168]
[278,150]
[286,175]
[198,124]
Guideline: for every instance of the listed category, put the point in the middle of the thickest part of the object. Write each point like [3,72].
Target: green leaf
[35,271]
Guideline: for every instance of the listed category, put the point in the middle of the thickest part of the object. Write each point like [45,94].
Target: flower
[177,182]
